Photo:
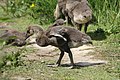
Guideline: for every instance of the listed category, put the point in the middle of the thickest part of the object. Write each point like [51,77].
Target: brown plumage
[62,37]
[78,11]
[11,36]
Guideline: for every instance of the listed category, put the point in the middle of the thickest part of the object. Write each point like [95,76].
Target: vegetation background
[107,12]
[105,33]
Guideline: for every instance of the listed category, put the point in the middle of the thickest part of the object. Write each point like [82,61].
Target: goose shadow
[83,64]
[98,34]
[80,64]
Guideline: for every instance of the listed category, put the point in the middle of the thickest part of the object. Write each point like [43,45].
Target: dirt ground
[83,55]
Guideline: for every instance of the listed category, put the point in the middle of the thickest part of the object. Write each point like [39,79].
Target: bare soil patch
[82,55]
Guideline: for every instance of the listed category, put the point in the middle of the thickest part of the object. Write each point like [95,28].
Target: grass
[39,71]
[108,45]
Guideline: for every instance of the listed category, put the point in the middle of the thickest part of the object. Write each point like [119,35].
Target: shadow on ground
[98,34]
[79,64]
[83,64]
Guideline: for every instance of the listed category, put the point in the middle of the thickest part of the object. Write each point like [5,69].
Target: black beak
[27,36]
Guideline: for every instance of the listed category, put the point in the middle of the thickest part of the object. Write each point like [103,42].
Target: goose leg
[80,27]
[66,48]
[60,57]
[86,25]
[63,46]
[70,56]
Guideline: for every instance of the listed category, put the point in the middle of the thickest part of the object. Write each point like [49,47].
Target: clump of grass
[41,10]
[11,58]
[107,13]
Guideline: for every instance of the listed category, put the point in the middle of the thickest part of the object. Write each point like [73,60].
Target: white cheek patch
[57,35]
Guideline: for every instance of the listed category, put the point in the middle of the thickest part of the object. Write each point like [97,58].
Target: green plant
[43,9]
[11,59]
[107,13]
[37,9]
[114,29]
[15,7]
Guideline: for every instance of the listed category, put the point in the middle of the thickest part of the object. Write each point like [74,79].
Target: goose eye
[28,31]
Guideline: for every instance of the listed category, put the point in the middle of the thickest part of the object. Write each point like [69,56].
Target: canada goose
[78,11]
[14,37]
[62,37]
